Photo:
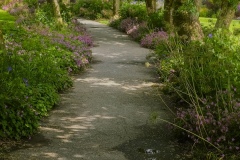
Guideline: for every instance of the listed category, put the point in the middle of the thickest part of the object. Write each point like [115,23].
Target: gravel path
[107,115]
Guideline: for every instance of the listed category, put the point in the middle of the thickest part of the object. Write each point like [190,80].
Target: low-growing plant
[35,66]
[152,39]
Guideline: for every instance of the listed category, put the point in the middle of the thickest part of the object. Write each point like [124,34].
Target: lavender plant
[151,40]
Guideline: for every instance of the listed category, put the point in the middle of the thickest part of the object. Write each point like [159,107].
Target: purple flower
[153,39]
[9,69]
[210,35]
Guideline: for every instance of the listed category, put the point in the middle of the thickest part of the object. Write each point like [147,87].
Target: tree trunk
[116,7]
[151,6]
[187,20]
[66,2]
[168,14]
[2,45]
[57,13]
[225,16]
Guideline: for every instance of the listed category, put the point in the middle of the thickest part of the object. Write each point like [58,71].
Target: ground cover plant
[36,63]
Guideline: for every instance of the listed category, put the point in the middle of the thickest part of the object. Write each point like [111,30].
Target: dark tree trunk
[187,23]
[225,16]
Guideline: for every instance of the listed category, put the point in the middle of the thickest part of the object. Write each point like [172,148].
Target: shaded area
[152,145]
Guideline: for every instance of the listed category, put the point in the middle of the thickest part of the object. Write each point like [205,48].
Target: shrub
[135,11]
[92,9]
[156,20]
[138,31]
[127,24]
[115,23]
[29,87]
[204,12]
[151,40]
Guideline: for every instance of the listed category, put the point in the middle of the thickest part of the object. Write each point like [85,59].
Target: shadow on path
[107,114]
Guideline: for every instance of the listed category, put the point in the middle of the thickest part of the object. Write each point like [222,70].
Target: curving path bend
[107,115]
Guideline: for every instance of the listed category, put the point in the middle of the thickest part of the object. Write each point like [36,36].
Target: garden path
[107,115]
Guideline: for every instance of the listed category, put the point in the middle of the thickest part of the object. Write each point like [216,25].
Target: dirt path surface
[107,115]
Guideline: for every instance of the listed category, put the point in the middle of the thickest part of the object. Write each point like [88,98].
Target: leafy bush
[127,24]
[132,27]
[35,66]
[115,23]
[135,11]
[92,9]
[204,12]
[152,39]
[156,20]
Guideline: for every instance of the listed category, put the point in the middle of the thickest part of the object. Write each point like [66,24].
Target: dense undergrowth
[202,76]
[36,64]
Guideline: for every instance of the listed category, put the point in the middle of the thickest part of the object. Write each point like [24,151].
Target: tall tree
[151,6]
[185,17]
[226,13]
[116,7]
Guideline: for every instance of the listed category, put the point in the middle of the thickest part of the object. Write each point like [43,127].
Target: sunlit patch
[51,129]
[52,155]
[136,87]
[99,82]
[78,156]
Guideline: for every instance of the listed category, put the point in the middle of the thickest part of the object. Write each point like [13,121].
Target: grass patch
[211,22]
[4,16]
[103,21]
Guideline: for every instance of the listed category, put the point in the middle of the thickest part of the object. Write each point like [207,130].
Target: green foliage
[137,11]
[35,66]
[206,12]
[205,76]
[156,20]
[31,3]
[115,23]
[4,16]
[92,9]
[45,15]
[216,62]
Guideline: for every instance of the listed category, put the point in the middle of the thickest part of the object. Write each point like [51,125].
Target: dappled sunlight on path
[107,114]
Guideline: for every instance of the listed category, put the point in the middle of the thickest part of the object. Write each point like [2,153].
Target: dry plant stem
[191,133]
[166,104]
